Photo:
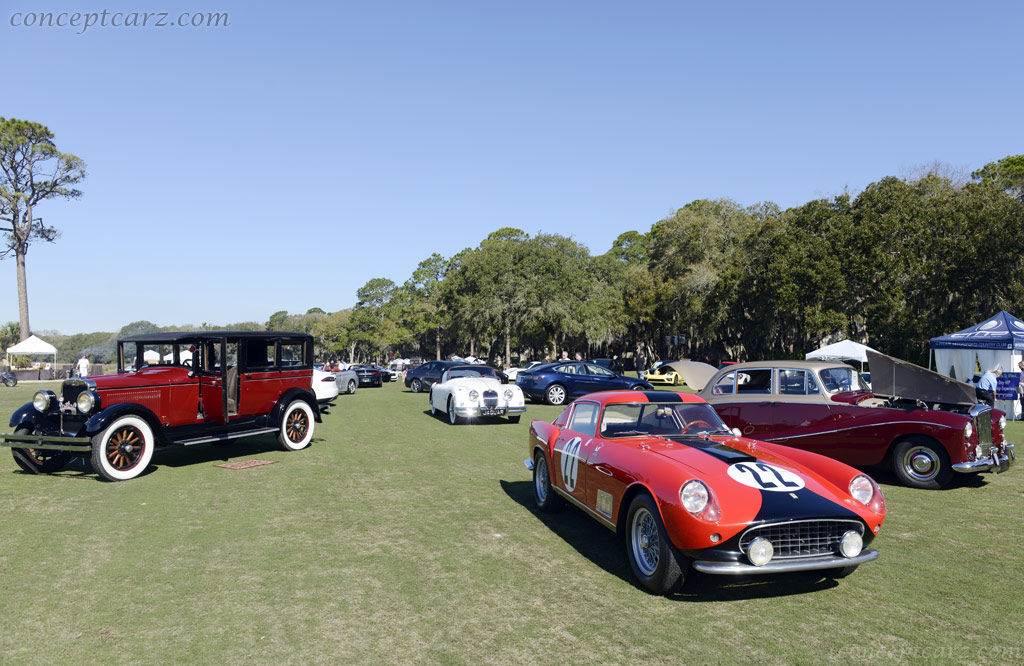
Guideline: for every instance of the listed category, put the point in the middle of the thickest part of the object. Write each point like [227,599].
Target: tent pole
[930,352]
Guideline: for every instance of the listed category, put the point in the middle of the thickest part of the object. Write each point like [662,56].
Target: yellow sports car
[664,373]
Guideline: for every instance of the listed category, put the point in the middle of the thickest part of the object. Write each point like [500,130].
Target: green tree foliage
[32,170]
[1007,174]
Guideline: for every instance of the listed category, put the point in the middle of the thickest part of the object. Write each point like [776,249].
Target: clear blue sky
[282,162]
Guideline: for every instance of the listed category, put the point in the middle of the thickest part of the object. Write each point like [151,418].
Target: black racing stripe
[662,396]
[807,504]
[727,453]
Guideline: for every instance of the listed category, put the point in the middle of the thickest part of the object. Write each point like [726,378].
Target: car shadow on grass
[241,447]
[606,550]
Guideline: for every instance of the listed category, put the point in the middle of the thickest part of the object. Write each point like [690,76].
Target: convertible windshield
[660,418]
[470,372]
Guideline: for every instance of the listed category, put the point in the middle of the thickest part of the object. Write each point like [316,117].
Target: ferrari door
[573,445]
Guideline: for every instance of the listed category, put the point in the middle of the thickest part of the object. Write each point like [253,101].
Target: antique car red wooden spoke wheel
[296,426]
[123,449]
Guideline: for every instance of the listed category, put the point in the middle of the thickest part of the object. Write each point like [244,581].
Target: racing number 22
[767,477]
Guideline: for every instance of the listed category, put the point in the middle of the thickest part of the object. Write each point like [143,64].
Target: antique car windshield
[134,355]
[661,419]
[838,380]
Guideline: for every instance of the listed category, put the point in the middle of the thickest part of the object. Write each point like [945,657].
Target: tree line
[902,261]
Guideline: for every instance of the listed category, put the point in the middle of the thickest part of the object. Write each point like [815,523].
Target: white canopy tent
[32,346]
[844,350]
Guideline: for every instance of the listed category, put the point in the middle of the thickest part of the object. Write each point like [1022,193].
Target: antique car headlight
[851,544]
[1002,422]
[862,489]
[86,401]
[760,551]
[474,395]
[42,400]
[968,430]
[508,395]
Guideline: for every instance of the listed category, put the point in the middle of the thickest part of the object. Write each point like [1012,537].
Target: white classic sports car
[471,391]
[512,373]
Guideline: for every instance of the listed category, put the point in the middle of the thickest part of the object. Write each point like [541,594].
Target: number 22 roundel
[765,477]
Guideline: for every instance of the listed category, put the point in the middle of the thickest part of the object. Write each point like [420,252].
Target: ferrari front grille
[802,538]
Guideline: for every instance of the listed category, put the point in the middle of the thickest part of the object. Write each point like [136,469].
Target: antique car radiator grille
[983,426]
[802,538]
[70,389]
[490,398]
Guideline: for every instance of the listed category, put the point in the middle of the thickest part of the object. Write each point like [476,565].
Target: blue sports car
[556,383]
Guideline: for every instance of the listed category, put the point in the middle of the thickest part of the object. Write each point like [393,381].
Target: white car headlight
[694,496]
[474,395]
[861,489]
[508,394]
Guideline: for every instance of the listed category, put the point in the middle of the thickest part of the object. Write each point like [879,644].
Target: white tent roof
[844,350]
[32,345]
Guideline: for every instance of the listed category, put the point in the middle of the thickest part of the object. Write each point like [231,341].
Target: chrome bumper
[783,566]
[466,412]
[999,461]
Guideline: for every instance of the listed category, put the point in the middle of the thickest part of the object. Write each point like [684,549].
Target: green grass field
[396,538]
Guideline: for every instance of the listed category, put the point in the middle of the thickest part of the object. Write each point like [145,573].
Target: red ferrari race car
[663,470]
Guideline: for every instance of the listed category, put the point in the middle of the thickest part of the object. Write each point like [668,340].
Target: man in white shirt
[82,367]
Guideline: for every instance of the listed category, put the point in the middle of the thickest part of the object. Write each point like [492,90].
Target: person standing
[641,365]
[82,367]
[986,390]
[1020,388]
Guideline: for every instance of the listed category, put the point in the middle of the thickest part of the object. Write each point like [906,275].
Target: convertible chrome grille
[490,398]
[983,426]
[802,538]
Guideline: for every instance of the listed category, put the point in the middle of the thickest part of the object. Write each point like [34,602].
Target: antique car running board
[230,435]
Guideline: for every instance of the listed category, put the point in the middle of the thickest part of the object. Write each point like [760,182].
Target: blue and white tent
[997,342]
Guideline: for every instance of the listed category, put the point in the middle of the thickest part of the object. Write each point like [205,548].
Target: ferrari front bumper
[784,566]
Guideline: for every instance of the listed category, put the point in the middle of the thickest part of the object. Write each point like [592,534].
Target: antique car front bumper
[783,566]
[997,460]
[46,442]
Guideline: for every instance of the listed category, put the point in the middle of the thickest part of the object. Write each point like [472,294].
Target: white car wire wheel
[453,418]
[651,555]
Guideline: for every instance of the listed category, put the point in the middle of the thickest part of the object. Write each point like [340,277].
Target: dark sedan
[556,383]
[369,375]
[422,377]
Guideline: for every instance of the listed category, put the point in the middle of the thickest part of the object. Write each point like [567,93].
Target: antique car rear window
[259,354]
[292,354]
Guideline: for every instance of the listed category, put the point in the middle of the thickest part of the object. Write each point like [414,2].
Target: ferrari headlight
[85,402]
[862,489]
[694,496]
[508,395]
[968,430]
[42,400]
[760,551]
[851,544]
[474,395]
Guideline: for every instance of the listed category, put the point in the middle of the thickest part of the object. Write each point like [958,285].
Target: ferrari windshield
[660,418]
